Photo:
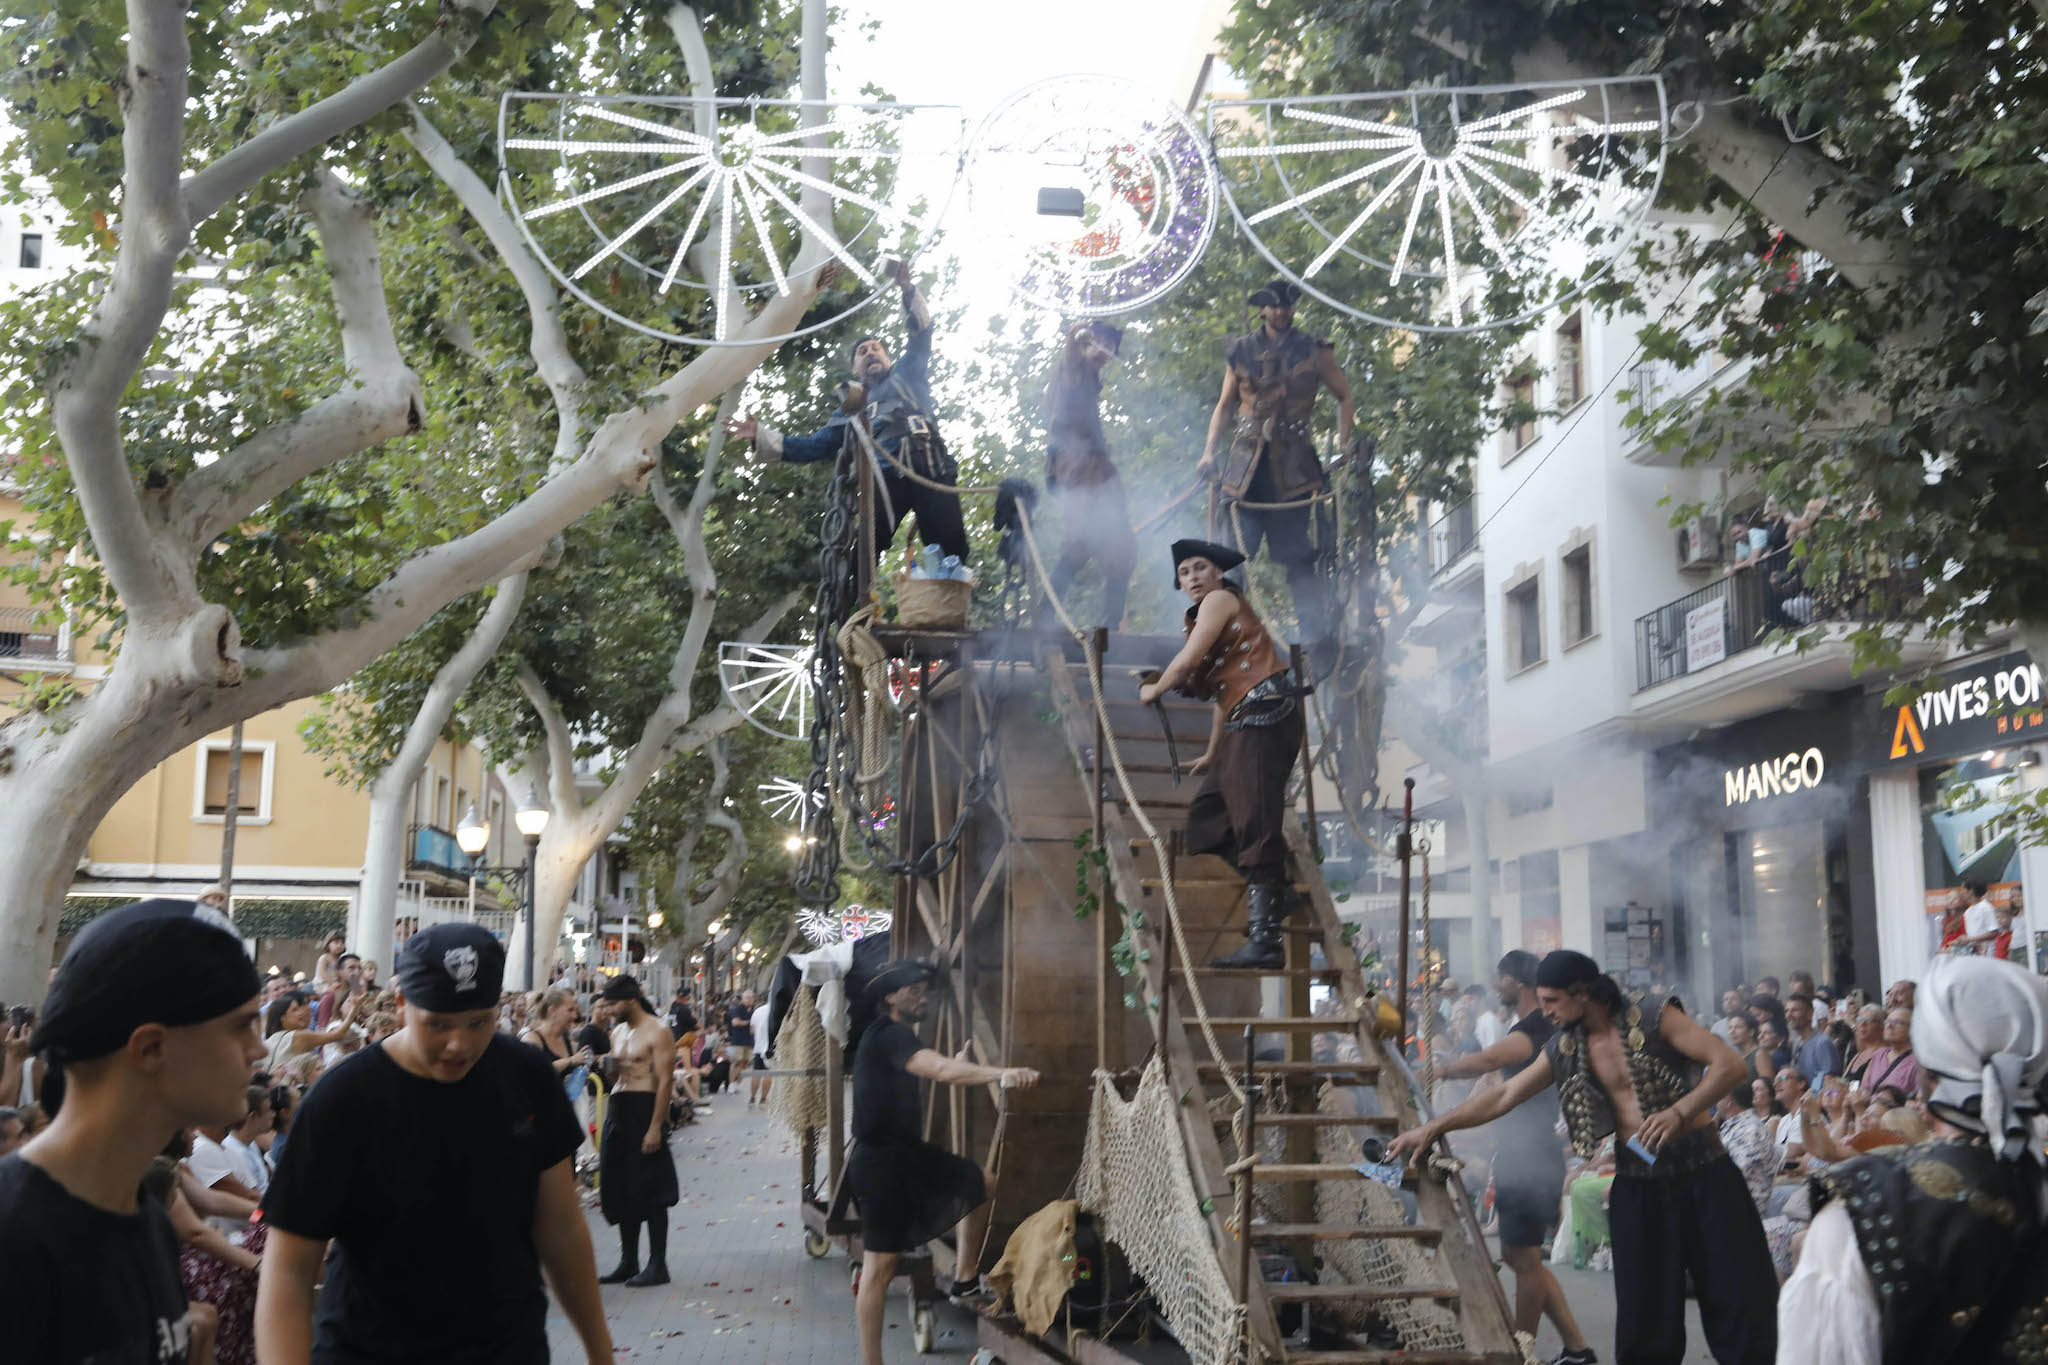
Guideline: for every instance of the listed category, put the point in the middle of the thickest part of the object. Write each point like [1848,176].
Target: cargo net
[1384,1263]
[800,1046]
[1134,1177]
[1271,1097]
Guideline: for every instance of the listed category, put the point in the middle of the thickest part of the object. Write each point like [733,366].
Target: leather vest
[1277,383]
[899,424]
[1951,1237]
[1242,657]
[1661,1075]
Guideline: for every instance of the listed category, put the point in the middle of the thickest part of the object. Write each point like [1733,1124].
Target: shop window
[210,781]
[31,256]
[1523,624]
[1577,590]
[1571,363]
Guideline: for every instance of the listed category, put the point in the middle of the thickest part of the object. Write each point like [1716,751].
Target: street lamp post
[532,819]
[471,836]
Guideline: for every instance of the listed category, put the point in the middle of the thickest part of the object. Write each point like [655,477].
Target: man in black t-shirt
[439,1164]
[681,1018]
[1528,1170]
[152,1020]
[910,1190]
[739,1032]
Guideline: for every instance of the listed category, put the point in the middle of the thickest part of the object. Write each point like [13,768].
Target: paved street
[744,1293]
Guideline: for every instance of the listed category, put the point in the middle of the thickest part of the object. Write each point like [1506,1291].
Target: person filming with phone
[1642,1070]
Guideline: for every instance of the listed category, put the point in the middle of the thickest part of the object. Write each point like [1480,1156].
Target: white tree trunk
[384,852]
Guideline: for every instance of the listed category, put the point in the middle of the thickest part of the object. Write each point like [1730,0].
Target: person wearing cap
[437,1164]
[1079,474]
[909,1191]
[1229,658]
[1638,1068]
[1271,376]
[1934,1252]
[894,396]
[636,1174]
[151,1022]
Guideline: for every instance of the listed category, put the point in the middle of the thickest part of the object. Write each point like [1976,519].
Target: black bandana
[1564,969]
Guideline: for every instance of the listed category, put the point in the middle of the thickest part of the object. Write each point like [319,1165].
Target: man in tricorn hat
[1270,380]
[437,1165]
[1230,658]
[910,1190]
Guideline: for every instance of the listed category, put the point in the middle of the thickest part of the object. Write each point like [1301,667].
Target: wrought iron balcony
[1452,536]
[431,847]
[22,638]
[1736,613]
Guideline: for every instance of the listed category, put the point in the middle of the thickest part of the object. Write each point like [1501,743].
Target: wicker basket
[939,603]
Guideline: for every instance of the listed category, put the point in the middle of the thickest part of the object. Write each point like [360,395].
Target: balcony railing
[1452,536]
[21,639]
[1736,613]
[436,848]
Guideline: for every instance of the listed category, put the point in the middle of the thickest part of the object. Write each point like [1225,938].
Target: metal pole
[1405,846]
[532,848]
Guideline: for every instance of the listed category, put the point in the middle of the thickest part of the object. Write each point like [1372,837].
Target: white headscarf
[1981,1026]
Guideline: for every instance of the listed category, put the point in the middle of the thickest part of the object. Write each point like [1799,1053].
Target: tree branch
[567,383]
[86,401]
[380,397]
[206,191]
[561,747]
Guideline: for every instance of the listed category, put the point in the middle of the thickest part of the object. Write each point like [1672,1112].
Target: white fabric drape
[826,969]
[1899,876]
[1827,1311]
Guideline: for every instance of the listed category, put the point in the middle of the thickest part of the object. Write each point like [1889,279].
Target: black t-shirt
[681,1019]
[1526,1138]
[81,1285]
[885,1104]
[739,1026]
[594,1037]
[428,1190]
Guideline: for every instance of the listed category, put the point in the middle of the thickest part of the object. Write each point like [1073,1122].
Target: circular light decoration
[846,924]
[1099,195]
[1445,210]
[675,215]
[784,799]
[770,685]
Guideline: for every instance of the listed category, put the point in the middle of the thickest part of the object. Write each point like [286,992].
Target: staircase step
[1254,973]
[1153,885]
[1351,1356]
[1294,1291]
[1319,1121]
[1281,1172]
[1161,802]
[1330,1023]
[1343,1232]
[1181,738]
[1369,1071]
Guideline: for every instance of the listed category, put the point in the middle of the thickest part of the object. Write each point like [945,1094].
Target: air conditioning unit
[1700,545]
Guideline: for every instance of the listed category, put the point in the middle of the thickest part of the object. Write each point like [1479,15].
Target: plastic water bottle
[949,567]
[930,564]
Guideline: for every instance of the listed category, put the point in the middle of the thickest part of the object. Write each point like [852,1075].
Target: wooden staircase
[1378,1095]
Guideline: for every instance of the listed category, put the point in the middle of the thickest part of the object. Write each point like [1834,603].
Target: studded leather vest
[1661,1075]
[1242,657]
[1950,1235]
[1277,383]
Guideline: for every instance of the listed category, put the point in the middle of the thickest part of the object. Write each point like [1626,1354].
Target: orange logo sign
[1906,732]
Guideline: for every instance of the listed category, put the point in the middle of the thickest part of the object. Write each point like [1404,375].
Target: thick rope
[1137,809]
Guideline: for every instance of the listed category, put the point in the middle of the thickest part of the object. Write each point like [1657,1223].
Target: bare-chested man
[636,1174]
[1646,1073]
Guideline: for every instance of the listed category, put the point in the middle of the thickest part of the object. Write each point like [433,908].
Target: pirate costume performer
[1935,1252]
[1094,521]
[1272,375]
[896,402]
[1229,658]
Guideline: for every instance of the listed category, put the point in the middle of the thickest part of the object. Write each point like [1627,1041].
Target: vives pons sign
[1780,776]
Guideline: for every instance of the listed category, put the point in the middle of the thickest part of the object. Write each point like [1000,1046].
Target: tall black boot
[1266,907]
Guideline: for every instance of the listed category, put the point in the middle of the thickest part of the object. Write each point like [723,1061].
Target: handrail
[1738,611]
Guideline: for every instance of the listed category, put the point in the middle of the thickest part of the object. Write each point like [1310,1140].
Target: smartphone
[1855,1086]
[1635,1144]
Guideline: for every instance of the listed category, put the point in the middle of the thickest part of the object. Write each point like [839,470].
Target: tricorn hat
[1222,556]
[1275,294]
[894,977]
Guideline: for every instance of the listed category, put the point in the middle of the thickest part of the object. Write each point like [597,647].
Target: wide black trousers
[1701,1223]
[1239,812]
[938,515]
[632,1186]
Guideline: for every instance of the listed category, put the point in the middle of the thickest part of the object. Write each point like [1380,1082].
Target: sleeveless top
[1661,1075]
[1277,383]
[1077,452]
[1951,1237]
[1242,657]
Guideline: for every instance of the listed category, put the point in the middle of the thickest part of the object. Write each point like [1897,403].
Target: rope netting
[1134,1178]
[800,1046]
[1381,1262]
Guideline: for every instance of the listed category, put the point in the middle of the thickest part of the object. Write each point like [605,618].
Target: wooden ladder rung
[1294,1291]
[1367,1070]
[1286,1172]
[1319,1121]
[1332,1023]
[1252,973]
[1344,1232]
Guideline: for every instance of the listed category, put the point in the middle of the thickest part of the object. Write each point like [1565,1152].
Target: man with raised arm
[1271,377]
[1528,1168]
[895,396]
[910,1190]
[1642,1070]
